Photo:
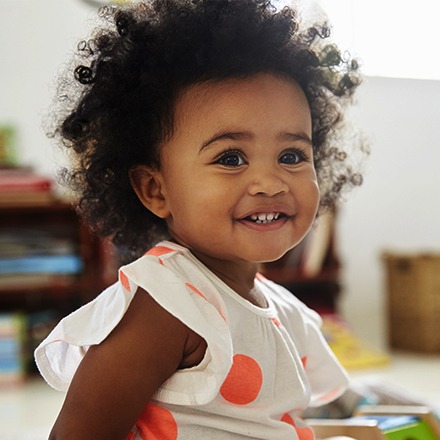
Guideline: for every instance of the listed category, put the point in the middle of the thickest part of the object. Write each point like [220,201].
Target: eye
[232,158]
[293,157]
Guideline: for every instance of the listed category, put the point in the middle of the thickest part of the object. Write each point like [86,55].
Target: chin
[270,260]
[273,254]
[269,257]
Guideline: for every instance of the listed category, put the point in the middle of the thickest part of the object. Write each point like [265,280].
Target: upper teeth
[265,218]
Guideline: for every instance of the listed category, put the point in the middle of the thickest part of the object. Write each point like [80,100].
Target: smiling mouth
[264,218]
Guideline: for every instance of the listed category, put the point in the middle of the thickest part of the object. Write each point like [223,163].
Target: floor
[414,375]
[28,411]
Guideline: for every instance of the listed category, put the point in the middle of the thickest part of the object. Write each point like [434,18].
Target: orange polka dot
[276,321]
[304,361]
[244,381]
[159,251]
[304,433]
[287,418]
[156,423]
[124,280]
[260,277]
[195,290]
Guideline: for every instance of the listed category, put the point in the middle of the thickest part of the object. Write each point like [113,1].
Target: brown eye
[231,159]
[292,157]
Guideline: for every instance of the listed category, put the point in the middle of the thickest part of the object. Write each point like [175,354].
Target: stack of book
[20,334]
[351,351]
[12,361]
[36,258]
[22,186]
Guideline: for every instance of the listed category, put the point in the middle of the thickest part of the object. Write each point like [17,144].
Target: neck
[239,276]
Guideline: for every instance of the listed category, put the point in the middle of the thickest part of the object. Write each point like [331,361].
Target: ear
[148,185]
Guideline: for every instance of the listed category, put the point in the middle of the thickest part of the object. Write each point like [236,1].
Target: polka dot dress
[262,366]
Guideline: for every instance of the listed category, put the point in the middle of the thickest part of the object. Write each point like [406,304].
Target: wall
[36,38]
[397,207]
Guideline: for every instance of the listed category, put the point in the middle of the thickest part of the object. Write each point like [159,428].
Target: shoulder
[288,305]
[144,349]
[174,280]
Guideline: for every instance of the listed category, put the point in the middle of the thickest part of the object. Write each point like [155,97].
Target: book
[62,264]
[16,282]
[403,427]
[317,244]
[350,350]
[37,198]
[26,241]
[38,325]
[12,330]
[21,186]
[18,181]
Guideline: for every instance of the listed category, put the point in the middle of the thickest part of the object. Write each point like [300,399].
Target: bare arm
[117,378]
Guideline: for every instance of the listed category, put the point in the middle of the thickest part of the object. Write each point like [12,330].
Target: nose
[267,181]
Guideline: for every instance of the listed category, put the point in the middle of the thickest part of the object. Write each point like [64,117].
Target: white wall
[375,29]
[397,207]
[35,40]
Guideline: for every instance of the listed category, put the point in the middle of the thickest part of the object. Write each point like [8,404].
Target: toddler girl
[201,132]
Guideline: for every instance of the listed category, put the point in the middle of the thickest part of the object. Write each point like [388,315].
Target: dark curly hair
[118,106]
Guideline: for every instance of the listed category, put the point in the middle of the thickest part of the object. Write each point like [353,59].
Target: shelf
[64,229]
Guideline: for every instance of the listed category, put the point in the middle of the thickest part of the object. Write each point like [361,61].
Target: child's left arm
[117,378]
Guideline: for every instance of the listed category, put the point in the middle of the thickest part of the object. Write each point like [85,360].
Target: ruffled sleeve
[165,275]
[326,377]
[59,355]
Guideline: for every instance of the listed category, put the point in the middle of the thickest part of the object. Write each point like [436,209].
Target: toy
[378,422]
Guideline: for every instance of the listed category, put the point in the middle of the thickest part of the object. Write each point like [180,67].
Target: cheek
[316,196]
[189,200]
[309,195]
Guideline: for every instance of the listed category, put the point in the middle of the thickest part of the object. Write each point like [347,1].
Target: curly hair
[118,105]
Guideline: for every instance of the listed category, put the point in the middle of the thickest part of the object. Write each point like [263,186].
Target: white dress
[262,366]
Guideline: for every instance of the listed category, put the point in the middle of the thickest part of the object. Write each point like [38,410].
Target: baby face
[237,177]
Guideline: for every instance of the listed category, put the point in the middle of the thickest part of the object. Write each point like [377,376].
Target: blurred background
[396,211]
[397,107]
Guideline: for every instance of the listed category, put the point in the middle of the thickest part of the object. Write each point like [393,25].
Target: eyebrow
[226,135]
[287,136]
[247,135]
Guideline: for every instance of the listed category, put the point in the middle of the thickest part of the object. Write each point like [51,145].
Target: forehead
[252,101]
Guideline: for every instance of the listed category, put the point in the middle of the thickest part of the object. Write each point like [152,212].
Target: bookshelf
[311,270]
[50,264]
[54,254]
